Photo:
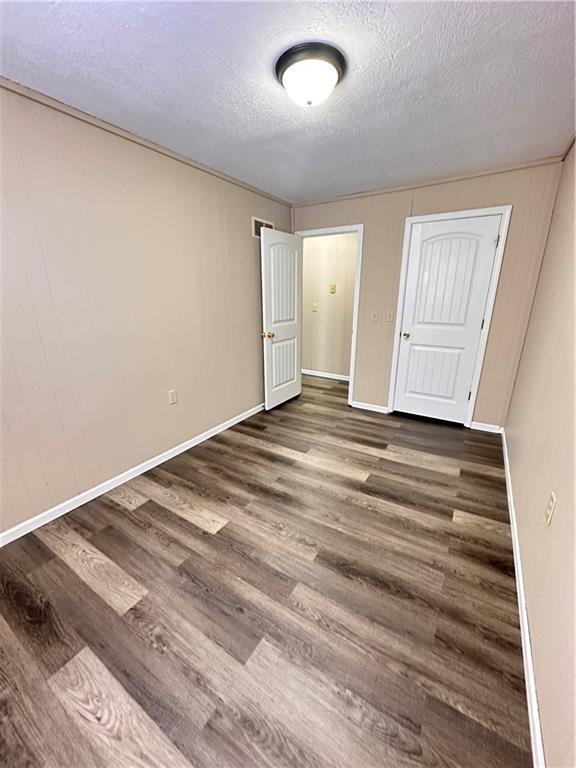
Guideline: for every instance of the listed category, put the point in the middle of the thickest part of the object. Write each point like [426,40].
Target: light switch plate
[551,507]
[172,396]
[390,316]
[314,306]
[373,316]
[332,287]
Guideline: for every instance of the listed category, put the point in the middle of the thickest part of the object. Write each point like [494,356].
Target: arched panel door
[450,264]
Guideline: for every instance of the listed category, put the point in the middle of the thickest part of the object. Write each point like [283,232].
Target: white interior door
[281,256]
[450,264]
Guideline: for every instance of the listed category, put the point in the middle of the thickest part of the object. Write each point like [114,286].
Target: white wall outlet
[314,306]
[172,396]
[373,316]
[550,507]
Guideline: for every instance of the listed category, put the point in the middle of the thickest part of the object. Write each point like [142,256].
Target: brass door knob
[268,334]
[406,334]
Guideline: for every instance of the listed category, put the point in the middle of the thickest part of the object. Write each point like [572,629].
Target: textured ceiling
[433,89]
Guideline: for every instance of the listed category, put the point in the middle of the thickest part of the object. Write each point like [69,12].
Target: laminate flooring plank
[500,659]
[137,562]
[45,635]
[348,502]
[339,657]
[422,460]
[247,701]
[204,482]
[138,525]
[211,611]
[454,681]
[441,500]
[232,562]
[107,579]
[35,731]
[247,471]
[143,669]
[365,599]
[237,738]
[311,458]
[179,499]
[196,588]
[127,497]
[25,554]
[396,556]
[110,720]
[459,742]
[493,529]
[321,722]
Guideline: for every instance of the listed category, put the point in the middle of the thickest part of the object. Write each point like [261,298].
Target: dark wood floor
[319,586]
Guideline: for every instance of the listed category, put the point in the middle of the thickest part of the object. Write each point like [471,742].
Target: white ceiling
[433,89]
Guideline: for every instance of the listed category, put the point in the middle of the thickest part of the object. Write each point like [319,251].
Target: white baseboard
[533,711]
[481,427]
[369,406]
[67,506]
[324,375]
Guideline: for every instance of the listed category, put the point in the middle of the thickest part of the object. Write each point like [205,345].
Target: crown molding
[435,182]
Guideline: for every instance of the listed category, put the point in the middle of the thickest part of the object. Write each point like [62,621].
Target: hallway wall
[327,332]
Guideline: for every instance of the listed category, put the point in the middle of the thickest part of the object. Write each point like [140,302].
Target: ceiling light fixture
[309,72]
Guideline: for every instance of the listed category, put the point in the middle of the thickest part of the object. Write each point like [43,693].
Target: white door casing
[450,278]
[281,257]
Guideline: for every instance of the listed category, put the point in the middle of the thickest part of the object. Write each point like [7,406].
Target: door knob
[268,334]
[406,334]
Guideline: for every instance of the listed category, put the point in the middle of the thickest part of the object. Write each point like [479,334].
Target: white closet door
[450,264]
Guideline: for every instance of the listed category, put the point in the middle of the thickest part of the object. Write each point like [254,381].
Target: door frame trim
[357,229]
[505,211]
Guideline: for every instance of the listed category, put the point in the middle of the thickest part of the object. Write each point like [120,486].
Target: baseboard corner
[369,406]
[324,375]
[482,427]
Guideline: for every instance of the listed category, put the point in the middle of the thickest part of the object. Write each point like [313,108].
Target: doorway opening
[330,291]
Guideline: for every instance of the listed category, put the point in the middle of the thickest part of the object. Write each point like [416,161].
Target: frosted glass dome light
[309,72]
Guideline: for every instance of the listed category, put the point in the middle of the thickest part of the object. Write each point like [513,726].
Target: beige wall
[125,273]
[531,192]
[540,437]
[327,333]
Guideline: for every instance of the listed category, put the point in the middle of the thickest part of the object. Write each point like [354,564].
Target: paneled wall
[531,192]
[327,317]
[540,435]
[125,273]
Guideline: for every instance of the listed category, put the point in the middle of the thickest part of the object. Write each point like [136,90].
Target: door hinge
[469,394]
[482,326]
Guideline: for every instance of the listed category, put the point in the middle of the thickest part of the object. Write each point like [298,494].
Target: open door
[281,256]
